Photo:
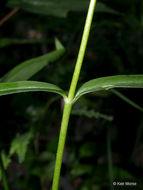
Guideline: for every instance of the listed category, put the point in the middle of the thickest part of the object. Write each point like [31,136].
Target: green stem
[62,138]
[69,99]
[82,49]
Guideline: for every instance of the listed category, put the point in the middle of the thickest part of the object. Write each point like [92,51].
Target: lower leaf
[29,86]
[106,83]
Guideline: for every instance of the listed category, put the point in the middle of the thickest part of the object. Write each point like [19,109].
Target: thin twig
[10,14]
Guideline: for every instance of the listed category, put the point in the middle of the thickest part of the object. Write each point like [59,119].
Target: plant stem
[69,99]
[62,138]
[82,49]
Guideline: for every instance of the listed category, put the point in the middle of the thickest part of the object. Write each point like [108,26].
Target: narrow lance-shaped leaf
[30,67]
[106,83]
[29,86]
[57,8]
[10,41]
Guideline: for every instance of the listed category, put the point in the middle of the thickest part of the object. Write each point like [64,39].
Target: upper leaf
[29,86]
[30,67]
[56,8]
[106,83]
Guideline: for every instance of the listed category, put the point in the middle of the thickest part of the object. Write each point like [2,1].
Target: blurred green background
[102,126]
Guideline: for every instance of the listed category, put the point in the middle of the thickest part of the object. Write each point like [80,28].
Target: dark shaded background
[115,47]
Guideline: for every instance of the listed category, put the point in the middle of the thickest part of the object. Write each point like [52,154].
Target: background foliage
[100,121]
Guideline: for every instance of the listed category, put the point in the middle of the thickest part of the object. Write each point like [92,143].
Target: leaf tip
[58,44]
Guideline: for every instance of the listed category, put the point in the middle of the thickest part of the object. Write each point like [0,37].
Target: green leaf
[56,8]
[5,159]
[9,41]
[58,44]
[19,145]
[106,83]
[30,67]
[29,86]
